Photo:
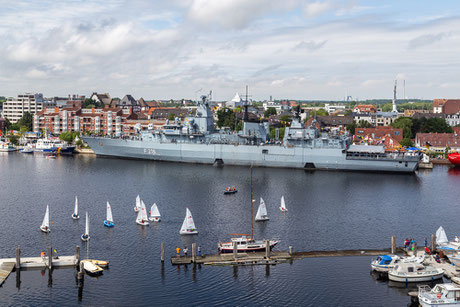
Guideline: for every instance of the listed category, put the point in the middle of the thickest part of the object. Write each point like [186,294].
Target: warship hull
[246,155]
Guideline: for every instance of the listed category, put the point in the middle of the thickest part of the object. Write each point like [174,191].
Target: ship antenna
[252,209]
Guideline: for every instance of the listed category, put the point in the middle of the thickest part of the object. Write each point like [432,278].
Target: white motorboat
[455,259]
[384,263]
[75,215]
[262,214]
[142,218]
[244,244]
[6,147]
[138,204]
[85,237]
[28,149]
[414,272]
[155,214]
[283,205]
[440,295]
[188,226]
[45,227]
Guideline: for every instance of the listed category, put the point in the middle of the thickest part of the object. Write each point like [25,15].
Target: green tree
[363,124]
[68,136]
[91,103]
[171,116]
[26,121]
[286,118]
[404,123]
[273,133]
[14,139]
[270,111]
[406,143]
[352,127]
[320,112]
[227,118]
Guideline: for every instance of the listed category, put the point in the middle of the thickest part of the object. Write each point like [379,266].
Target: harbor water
[327,211]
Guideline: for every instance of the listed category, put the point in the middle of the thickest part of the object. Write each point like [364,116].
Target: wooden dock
[5,269]
[40,263]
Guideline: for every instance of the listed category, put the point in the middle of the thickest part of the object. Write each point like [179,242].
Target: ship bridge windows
[265,151]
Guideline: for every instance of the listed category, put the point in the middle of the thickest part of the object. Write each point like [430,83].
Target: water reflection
[454,171]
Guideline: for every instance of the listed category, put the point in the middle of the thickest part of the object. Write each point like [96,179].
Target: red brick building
[438,141]
[385,135]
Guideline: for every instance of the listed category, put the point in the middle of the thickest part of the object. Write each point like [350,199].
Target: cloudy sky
[298,49]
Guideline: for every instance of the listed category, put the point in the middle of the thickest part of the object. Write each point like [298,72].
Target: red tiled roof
[438,139]
[451,106]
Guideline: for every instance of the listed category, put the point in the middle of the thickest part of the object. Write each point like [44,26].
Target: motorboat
[414,272]
[439,295]
[384,263]
[54,145]
[455,259]
[28,149]
[245,244]
[92,269]
[7,147]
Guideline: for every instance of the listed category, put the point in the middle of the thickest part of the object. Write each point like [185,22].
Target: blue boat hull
[108,224]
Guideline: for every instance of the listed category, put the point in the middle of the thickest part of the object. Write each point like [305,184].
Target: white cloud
[36,74]
[317,8]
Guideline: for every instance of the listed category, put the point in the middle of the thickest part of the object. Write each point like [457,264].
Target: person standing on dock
[185,251]
[426,242]
[178,251]
[199,250]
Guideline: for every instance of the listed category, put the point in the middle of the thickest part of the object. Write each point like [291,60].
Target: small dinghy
[138,204]
[51,156]
[85,237]
[45,227]
[142,218]
[414,272]
[283,205]
[188,226]
[100,263]
[230,190]
[262,214]
[75,215]
[109,219]
[154,214]
[91,269]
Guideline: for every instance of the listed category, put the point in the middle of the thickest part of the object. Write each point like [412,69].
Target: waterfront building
[438,141]
[14,108]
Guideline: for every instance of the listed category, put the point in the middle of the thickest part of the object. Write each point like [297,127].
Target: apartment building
[14,108]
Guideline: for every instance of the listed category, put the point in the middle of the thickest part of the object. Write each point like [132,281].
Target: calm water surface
[327,210]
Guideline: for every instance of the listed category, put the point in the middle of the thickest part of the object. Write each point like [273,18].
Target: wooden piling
[80,276]
[290,250]
[433,243]
[77,254]
[235,250]
[50,258]
[18,258]
[393,245]
[162,256]
[194,252]
[267,249]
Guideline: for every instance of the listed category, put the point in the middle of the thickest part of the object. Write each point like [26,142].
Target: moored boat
[384,263]
[7,147]
[454,158]
[92,269]
[414,272]
[440,295]
[245,244]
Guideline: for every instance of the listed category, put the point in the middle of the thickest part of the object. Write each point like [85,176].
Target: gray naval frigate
[196,141]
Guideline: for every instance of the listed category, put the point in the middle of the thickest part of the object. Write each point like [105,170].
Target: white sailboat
[109,219]
[85,236]
[283,205]
[138,204]
[45,227]
[142,218]
[75,215]
[154,214]
[188,226]
[262,214]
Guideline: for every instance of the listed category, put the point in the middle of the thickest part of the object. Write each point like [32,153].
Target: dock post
[194,252]
[50,258]
[162,256]
[80,276]
[433,243]
[235,251]
[77,255]
[267,249]
[290,250]
[393,245]
[18,258]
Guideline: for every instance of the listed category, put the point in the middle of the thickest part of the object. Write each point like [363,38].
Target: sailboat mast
[252,209]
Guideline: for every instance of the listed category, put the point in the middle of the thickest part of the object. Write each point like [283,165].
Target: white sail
[87,224]
[283,204]
[262,211]
[109,213]
[138,202]
[142,214]
[154,212]
[75,211]
[46,219]
[188,226]
[441,237]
